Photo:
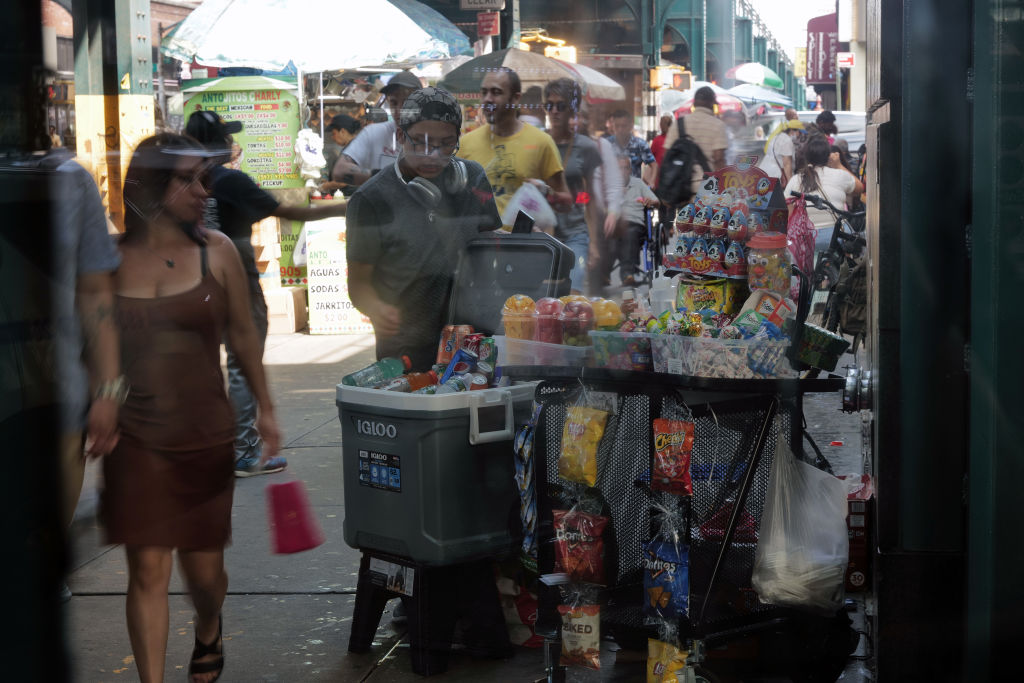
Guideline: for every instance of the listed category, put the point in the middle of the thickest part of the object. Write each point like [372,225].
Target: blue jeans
[579,242]
[248,444]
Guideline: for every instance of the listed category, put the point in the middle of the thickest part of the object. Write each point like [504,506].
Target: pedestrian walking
[642,162]
[780,151]
[168,484]
[407,224]
[581,160]
[511,151]
[376,145]
[236,202]
[706,129]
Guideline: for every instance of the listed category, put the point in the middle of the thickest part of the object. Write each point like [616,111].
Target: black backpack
[675,176]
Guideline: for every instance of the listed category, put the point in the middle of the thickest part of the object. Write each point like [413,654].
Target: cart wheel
[704,676]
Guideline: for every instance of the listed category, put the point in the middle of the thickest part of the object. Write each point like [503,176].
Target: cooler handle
[490,399]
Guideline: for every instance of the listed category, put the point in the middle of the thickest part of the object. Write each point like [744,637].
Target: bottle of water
[372,375]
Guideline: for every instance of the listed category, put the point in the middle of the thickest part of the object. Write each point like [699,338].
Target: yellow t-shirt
[508,161]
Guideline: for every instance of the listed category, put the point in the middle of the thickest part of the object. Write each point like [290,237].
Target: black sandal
[203,650]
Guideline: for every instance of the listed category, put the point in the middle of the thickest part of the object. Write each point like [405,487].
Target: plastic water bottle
[411,382]
[372,375]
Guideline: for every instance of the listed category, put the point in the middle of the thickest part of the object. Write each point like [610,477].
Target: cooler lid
[494,267]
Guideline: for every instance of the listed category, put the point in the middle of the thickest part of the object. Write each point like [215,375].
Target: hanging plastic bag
[666,569]
[800,234]
[581,627]
[584,427]
[803,547]
[579,544]
[530,201]
[673,444]
[666,663]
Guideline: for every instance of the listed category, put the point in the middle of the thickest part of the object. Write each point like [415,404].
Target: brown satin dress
[170,480]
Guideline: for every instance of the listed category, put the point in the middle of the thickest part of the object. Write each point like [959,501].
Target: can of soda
[428,390]
[452,338]
[485,369]
[488,351]
[477,382]
[463,361]
[472,342]
[454,385]
[439,368]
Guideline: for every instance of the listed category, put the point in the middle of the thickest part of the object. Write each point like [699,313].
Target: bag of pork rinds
[581,628]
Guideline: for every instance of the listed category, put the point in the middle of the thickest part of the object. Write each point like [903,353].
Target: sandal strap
[206,667]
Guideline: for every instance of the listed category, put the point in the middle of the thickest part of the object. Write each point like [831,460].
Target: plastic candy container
[607,314]
[769,263]
[577,320]
[548,328]
[517,316]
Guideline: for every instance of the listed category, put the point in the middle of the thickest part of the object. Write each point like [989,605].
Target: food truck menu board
[269,111]
[330,310]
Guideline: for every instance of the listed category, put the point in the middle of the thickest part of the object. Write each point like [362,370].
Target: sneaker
[275,464]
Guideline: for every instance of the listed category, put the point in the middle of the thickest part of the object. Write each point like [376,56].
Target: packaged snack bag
[581,630]
[581,435]
[673,444]
[579,546]
[666,569]
[666,663]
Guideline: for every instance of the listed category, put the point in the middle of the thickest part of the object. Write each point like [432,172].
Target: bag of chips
[579,546]
[581,628]
[666,569]
[581,436]
[666,663]
[673,444]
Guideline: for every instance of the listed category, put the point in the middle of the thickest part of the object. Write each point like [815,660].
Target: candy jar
[769,263]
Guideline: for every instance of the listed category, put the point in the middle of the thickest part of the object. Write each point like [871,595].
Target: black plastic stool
[440,597]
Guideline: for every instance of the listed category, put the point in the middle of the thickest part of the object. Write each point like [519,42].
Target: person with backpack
[706,129]
[683,168]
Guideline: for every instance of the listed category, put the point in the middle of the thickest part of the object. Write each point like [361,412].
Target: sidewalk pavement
[287,618]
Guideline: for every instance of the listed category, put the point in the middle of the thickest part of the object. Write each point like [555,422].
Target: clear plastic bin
[721,358]
[513,351]
[622,350]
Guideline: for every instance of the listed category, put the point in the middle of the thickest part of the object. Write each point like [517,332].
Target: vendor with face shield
[407,224]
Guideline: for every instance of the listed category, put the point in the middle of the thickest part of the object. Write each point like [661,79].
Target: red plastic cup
[293,528]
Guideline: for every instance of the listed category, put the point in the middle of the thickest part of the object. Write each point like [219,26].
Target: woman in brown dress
[169,482]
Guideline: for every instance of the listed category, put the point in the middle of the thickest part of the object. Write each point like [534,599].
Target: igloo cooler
[431,478]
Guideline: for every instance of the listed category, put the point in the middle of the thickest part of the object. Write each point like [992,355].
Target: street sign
[487,24]
[482,4]
[845,60]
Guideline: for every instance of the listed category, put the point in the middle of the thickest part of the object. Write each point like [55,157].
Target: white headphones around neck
[453,179]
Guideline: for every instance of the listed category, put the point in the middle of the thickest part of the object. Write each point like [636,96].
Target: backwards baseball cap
[343,122]
[402,79]
[430,104]
[210,129]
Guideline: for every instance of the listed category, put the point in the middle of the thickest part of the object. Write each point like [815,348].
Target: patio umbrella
[758,74]
[726,101]
[268,34]
[754,94]
[533,69]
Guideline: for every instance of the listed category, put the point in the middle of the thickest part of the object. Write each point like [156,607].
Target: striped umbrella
[758,74]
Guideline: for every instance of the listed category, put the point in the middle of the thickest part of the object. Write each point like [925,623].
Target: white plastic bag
[529,200]
[803,547]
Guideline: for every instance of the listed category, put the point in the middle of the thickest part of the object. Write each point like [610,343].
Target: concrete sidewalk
[287,618]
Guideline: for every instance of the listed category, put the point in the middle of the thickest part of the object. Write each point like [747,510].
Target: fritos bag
[673,444]
[581,436]
[666,569]
[581,629]
[579,546]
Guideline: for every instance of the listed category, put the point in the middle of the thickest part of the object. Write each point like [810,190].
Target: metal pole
[161,93]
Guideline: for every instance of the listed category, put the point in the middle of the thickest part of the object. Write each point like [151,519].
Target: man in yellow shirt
[513,152]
